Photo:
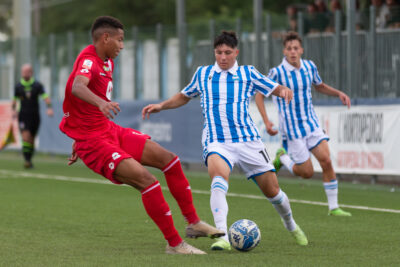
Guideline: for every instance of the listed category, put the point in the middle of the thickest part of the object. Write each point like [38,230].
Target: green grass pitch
[55,215]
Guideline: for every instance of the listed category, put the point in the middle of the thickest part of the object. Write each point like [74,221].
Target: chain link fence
[148,67]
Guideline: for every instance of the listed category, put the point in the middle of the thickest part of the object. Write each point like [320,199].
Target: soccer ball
[244,235]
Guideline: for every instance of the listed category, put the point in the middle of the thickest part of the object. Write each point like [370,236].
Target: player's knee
[307,174]
[145,179]
[140,180]
[166,158]
[170,156]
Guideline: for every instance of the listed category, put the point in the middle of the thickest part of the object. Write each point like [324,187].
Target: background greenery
[57,16]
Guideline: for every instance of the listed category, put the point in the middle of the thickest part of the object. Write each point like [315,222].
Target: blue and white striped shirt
[296,119]
[225,101]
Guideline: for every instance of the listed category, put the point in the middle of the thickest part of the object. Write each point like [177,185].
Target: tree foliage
[5,16]
[78,15]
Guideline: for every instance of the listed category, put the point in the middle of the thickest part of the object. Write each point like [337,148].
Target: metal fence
[148,68]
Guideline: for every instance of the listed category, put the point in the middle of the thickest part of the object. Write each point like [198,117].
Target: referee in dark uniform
[27,92]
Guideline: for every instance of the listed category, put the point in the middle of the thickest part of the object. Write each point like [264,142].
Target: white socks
[287,162]
[282,205]
[331,190]
[219,205]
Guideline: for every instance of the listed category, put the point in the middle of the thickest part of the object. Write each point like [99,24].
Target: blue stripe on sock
[219,185]
[330,186]
[279,201]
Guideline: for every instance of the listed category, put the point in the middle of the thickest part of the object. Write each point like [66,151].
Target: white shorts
[251,157]
[299,149]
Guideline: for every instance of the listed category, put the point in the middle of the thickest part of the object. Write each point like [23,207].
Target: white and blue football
[244,235]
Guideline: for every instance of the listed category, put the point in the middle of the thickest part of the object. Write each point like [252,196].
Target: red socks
[179,187]
[158,210]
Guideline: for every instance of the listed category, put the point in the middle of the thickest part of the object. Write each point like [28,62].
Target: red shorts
[103,153]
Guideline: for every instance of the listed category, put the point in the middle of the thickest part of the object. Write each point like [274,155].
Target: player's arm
[262,82]
[261,108]
[81,90]
[47,100]
[323,88]
[283,92]
[74,157]
[175,101]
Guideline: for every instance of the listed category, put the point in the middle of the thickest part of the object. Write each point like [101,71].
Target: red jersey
[83,120]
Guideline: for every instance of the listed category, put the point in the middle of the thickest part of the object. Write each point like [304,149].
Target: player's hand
[152,108]
[269,126]
[74,157]
[50,112]
[345,99]
[286,94]
[109,109]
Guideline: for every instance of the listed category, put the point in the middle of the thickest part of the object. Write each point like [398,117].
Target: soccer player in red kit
[119,153]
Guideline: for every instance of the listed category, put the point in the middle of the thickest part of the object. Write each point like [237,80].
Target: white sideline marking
[19,174]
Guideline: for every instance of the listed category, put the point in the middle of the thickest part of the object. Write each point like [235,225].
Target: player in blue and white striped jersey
[298,123]
[225,99]
[230,136]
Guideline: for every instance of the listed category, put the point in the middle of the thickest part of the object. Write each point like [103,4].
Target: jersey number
[109,90]
[264,153]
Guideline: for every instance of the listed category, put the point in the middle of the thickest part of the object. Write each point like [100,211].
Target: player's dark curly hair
[290,36]
[227,38]
[105,22]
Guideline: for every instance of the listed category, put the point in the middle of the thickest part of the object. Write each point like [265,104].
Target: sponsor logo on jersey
[235,77]
[84,70]
[111,165]
[168,213]
[102,74]
[115,155]
[87,64]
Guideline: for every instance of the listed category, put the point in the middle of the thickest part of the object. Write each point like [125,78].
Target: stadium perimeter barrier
[177,130]
[363,140]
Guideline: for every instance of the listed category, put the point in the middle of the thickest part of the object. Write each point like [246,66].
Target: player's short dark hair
[105,22]
[227,38]
[291,36]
